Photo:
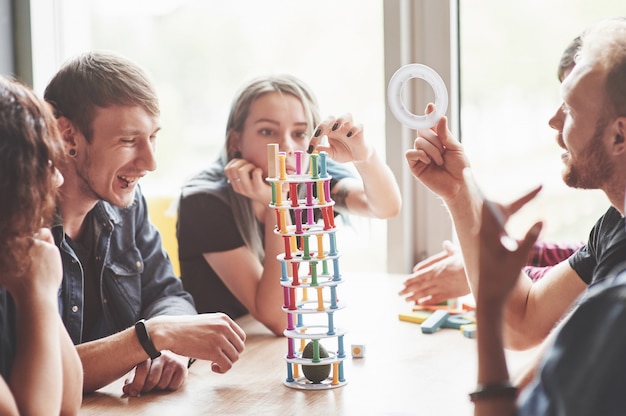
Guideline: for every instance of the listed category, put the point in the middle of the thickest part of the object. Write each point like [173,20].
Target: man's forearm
[107,359]
[465,210]
[492,366]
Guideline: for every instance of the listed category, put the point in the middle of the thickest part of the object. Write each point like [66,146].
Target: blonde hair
[213,179]
[284,84]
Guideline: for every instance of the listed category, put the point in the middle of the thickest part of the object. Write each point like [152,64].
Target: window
[199,53]
[509,90]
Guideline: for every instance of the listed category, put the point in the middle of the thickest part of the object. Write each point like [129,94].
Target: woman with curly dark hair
[40,368]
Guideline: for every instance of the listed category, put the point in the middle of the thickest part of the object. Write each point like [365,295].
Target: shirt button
[74,308]
[138,264]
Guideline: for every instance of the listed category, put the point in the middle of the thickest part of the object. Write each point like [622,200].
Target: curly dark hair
[30,147]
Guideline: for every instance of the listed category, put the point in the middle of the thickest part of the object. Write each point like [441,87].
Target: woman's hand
[346,140]
[44,273]
[247,179]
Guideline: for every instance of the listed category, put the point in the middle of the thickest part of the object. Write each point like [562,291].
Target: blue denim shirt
[136,277]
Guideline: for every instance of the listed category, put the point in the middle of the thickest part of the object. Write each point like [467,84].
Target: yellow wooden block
[417,317]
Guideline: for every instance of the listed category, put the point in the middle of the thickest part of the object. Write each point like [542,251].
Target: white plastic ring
[399,110]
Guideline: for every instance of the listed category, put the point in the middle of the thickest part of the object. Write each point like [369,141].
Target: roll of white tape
[399,110]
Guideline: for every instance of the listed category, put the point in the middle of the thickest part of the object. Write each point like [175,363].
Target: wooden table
[404,372]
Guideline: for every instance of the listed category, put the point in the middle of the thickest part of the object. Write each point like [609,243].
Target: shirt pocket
[122,286]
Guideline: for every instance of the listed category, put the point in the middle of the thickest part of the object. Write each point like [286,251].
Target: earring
[72,152]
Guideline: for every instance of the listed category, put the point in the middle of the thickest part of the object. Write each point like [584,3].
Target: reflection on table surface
[403,372]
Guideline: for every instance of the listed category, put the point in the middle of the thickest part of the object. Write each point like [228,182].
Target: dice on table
[358,350]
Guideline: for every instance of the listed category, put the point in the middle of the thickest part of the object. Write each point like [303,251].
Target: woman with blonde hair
[227,246]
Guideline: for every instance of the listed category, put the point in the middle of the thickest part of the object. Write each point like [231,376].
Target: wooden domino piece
[416,317]
[469,331]
[456,321]
[434,321]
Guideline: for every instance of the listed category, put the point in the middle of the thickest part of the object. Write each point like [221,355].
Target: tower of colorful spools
[309,271]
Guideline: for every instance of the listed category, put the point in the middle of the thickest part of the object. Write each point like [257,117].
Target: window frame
[418,31]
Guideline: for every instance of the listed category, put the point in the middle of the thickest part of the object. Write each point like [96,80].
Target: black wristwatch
[144,339]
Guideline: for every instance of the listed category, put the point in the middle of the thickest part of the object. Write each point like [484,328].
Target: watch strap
[144,339]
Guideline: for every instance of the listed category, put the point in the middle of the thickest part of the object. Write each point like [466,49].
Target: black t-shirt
[206,225]
[584,371]
[605,253]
